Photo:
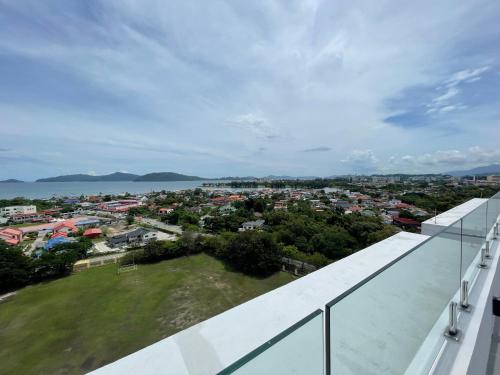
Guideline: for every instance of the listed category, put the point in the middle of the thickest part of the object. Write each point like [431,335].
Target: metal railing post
[483,264]
[464,296]
[487,250]
[452,330]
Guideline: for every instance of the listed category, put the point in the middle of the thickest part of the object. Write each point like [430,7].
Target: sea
[41,190]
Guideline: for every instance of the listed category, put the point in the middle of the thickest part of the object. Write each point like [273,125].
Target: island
[11,181]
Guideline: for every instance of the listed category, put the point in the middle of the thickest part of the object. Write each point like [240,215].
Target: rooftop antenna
[435,215]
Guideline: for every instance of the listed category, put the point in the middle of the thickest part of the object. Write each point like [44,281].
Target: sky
[237,88]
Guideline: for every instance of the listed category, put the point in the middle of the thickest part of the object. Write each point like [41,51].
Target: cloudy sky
[217,88]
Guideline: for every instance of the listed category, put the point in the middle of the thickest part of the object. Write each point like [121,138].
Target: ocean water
[65,189]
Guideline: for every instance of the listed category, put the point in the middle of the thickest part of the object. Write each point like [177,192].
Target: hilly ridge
[120,176]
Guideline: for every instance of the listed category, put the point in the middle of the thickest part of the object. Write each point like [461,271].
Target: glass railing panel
[474,229]
[394,323]
[493,211]
[297,350]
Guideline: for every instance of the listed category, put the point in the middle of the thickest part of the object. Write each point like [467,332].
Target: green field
[89,319]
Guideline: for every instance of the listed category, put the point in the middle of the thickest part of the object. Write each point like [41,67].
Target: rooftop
[384,309]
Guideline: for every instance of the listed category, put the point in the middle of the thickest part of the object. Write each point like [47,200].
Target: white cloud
[443,160]
[445,102]
[361,156]
[452,92]
[212,83]
[256,124]
[467,75]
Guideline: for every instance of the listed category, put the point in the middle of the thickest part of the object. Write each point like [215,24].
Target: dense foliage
[18,270]
[329,233]
[447,197]
[253,253]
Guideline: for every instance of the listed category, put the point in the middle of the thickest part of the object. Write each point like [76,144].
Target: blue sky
[221,88]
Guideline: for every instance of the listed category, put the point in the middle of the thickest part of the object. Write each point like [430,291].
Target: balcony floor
[494,359]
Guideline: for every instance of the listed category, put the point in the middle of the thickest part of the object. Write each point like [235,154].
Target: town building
[165,210]
[10,211]
[66,227]
[92,233]
[405,223]
[138,236]
[56,241]
[12,236]
[252,225]
[87,223]
[119,206]
[29,218]
[493,178]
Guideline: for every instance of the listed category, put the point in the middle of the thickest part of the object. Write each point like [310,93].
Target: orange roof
[12,231]
[65,224]
[59,234]
[12,241]
[92,231]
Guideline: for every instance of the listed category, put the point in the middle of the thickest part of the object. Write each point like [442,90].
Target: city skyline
[236,89]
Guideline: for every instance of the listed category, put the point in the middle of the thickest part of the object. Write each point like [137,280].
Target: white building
[493,178]
[15,210]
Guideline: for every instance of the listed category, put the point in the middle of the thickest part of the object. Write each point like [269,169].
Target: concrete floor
[494,359]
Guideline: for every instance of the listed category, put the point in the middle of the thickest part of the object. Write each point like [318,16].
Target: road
[37,243]
[177,229]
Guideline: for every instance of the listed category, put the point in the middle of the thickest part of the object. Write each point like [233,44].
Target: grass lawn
[84,321]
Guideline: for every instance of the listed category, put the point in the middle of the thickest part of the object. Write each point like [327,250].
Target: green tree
[254,253]
[15,268]
[130,219]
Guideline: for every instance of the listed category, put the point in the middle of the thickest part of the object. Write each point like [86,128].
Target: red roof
[12,231]
[12,236]
[66,224]
[59,234]
[11,241]
[92,232]
[404,220]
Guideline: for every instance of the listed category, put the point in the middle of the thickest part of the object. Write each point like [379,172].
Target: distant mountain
[236,178]
[117,176]
[167,176]
[10,181]
[487,169]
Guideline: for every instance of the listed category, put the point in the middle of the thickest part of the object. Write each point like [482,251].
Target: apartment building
[10,211]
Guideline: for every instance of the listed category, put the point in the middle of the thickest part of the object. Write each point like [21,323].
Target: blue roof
[88,222]
[55,241]
[74,200]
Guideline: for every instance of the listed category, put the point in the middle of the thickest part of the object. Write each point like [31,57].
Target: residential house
[12,236]
[252,225]
[165,210]
[92,233]
[281,205]
[65,226]
[138,236]
[405,223]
